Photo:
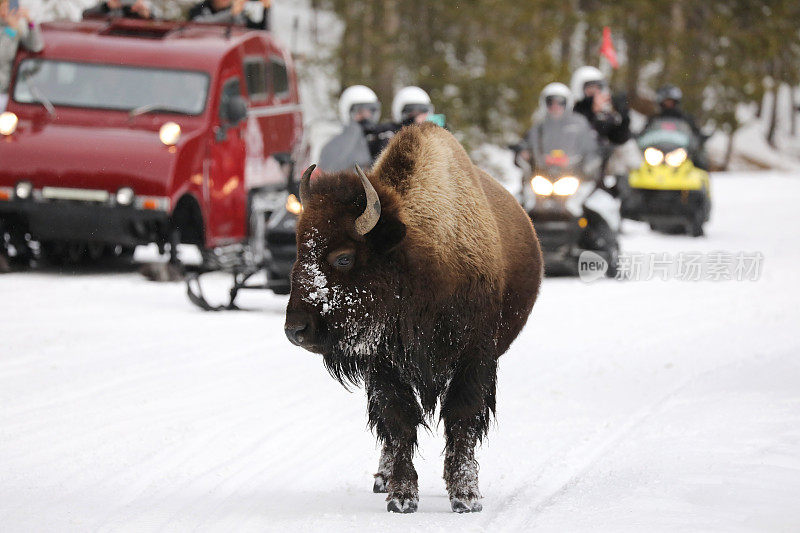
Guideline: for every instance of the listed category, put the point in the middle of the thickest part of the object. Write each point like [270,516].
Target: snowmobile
[570,211]
[668,191]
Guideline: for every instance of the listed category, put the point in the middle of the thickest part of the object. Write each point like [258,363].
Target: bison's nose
[299,327]
[295,332]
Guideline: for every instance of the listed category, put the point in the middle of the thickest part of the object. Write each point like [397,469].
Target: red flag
[607,48]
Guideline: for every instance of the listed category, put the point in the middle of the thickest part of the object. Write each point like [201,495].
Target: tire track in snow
[515,514]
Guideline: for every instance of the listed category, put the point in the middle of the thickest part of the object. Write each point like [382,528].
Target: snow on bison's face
[346,281]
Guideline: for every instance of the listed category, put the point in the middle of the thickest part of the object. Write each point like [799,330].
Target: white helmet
[555,89]
[409,96]
[582,76]
[358,95]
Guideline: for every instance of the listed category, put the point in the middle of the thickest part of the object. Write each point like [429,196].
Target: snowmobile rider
[230,12]
[411,105]
[607,115]
[669,104]
[359,111]
[559,128]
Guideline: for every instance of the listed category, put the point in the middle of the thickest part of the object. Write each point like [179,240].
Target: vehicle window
[114,87]
[255,72]
[230,89]
[280,77]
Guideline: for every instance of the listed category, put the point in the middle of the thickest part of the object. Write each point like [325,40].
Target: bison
[413,280]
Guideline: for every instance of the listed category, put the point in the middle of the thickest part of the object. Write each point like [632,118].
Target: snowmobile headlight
[23,190]
[653,156]
[676,157]
[169,133]
[8,123]
[542,186]
[566,186]
[293,205]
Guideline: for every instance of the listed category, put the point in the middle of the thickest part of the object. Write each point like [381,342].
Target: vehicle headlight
[125,196]
[293,205]
[542,186]
[8,123]
[653,156]
[676,157]
[23,190]
[169,133]
[566,186]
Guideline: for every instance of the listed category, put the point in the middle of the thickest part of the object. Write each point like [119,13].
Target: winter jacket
[570,133]
[613,127]
[26,35]
[345,150]
[102,10]
[206,12]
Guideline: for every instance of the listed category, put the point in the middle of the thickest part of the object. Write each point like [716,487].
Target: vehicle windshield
[115,87]
[671,132]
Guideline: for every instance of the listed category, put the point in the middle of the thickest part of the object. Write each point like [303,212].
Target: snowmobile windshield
[113,87]
[667,134]
[557,163]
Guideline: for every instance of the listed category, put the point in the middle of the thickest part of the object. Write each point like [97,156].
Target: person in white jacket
[16,29]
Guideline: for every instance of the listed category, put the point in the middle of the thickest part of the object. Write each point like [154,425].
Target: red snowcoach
[126,132]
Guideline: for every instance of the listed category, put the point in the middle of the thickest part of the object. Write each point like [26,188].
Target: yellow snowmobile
[668,191]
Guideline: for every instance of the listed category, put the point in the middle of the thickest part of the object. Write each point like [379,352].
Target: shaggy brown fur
[421,307]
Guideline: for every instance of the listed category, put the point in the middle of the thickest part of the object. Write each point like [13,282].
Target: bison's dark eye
[341,260]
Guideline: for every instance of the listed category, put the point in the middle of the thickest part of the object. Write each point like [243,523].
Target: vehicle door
[226,196]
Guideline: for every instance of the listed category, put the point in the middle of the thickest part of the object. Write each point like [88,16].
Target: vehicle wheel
[601,238]
[75,252]
[282,290]
[612,253]
[283,285]
[54,253]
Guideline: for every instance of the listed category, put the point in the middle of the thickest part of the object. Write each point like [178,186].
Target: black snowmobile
[570,211]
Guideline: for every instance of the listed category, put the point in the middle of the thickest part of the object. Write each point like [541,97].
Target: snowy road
[624,406]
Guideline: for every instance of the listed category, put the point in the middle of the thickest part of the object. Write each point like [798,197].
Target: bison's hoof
[404,505]
[380,484]
[465,506]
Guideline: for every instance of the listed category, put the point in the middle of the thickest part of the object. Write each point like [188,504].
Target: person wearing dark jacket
[140,9]
[669,106]
[607,115]
[230,12]
[669,103]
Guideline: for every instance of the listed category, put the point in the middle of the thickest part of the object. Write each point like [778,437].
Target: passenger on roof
[17,29]
[230,12]
[140,9]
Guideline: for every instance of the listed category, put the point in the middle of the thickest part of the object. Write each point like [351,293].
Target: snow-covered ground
[624,406]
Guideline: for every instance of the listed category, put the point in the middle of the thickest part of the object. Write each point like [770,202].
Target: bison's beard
[354,347]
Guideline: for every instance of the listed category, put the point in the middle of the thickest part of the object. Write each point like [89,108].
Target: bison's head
[346,280]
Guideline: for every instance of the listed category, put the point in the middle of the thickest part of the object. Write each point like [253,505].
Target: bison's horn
[304,185]
[372,213]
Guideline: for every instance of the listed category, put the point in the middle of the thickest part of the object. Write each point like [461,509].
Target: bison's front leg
[384,470]
[466,408]
[395,413]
